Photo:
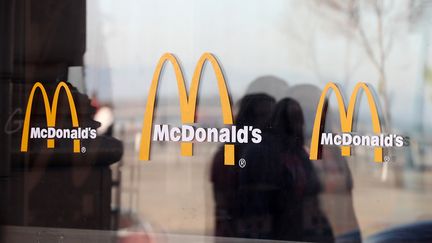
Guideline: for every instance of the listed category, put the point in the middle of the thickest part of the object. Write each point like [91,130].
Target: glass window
[215,121]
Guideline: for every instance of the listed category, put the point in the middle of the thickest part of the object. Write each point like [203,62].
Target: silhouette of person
[332,170]
[278,189]
[255,110]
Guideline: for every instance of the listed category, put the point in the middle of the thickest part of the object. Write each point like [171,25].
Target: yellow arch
[187,103]
[51,113]
[346,118]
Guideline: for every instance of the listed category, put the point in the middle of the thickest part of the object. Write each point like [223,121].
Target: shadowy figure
[278,189]
[255,110]
[332,170]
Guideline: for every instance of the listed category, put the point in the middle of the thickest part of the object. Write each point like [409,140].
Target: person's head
[255,110]
[308,95]
[288,121]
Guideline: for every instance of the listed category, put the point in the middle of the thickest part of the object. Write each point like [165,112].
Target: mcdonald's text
[348,139]
[188,103]
[63,133]
[187,133]
[51,113]
[346,117]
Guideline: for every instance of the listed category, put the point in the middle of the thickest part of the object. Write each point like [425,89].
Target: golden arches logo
[51,112]
[187,103]
[346,118]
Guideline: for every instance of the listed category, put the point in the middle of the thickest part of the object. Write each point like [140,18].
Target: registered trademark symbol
[242,163]
[386,158]
[83,150]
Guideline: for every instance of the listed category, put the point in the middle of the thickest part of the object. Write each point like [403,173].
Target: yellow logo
[346,119]
[187,103]
[51,112]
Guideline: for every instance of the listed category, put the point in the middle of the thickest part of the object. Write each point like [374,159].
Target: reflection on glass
[106,52]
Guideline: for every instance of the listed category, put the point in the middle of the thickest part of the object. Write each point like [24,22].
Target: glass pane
[215,121]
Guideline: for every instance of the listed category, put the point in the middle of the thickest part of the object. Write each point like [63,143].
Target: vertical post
[6,69]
